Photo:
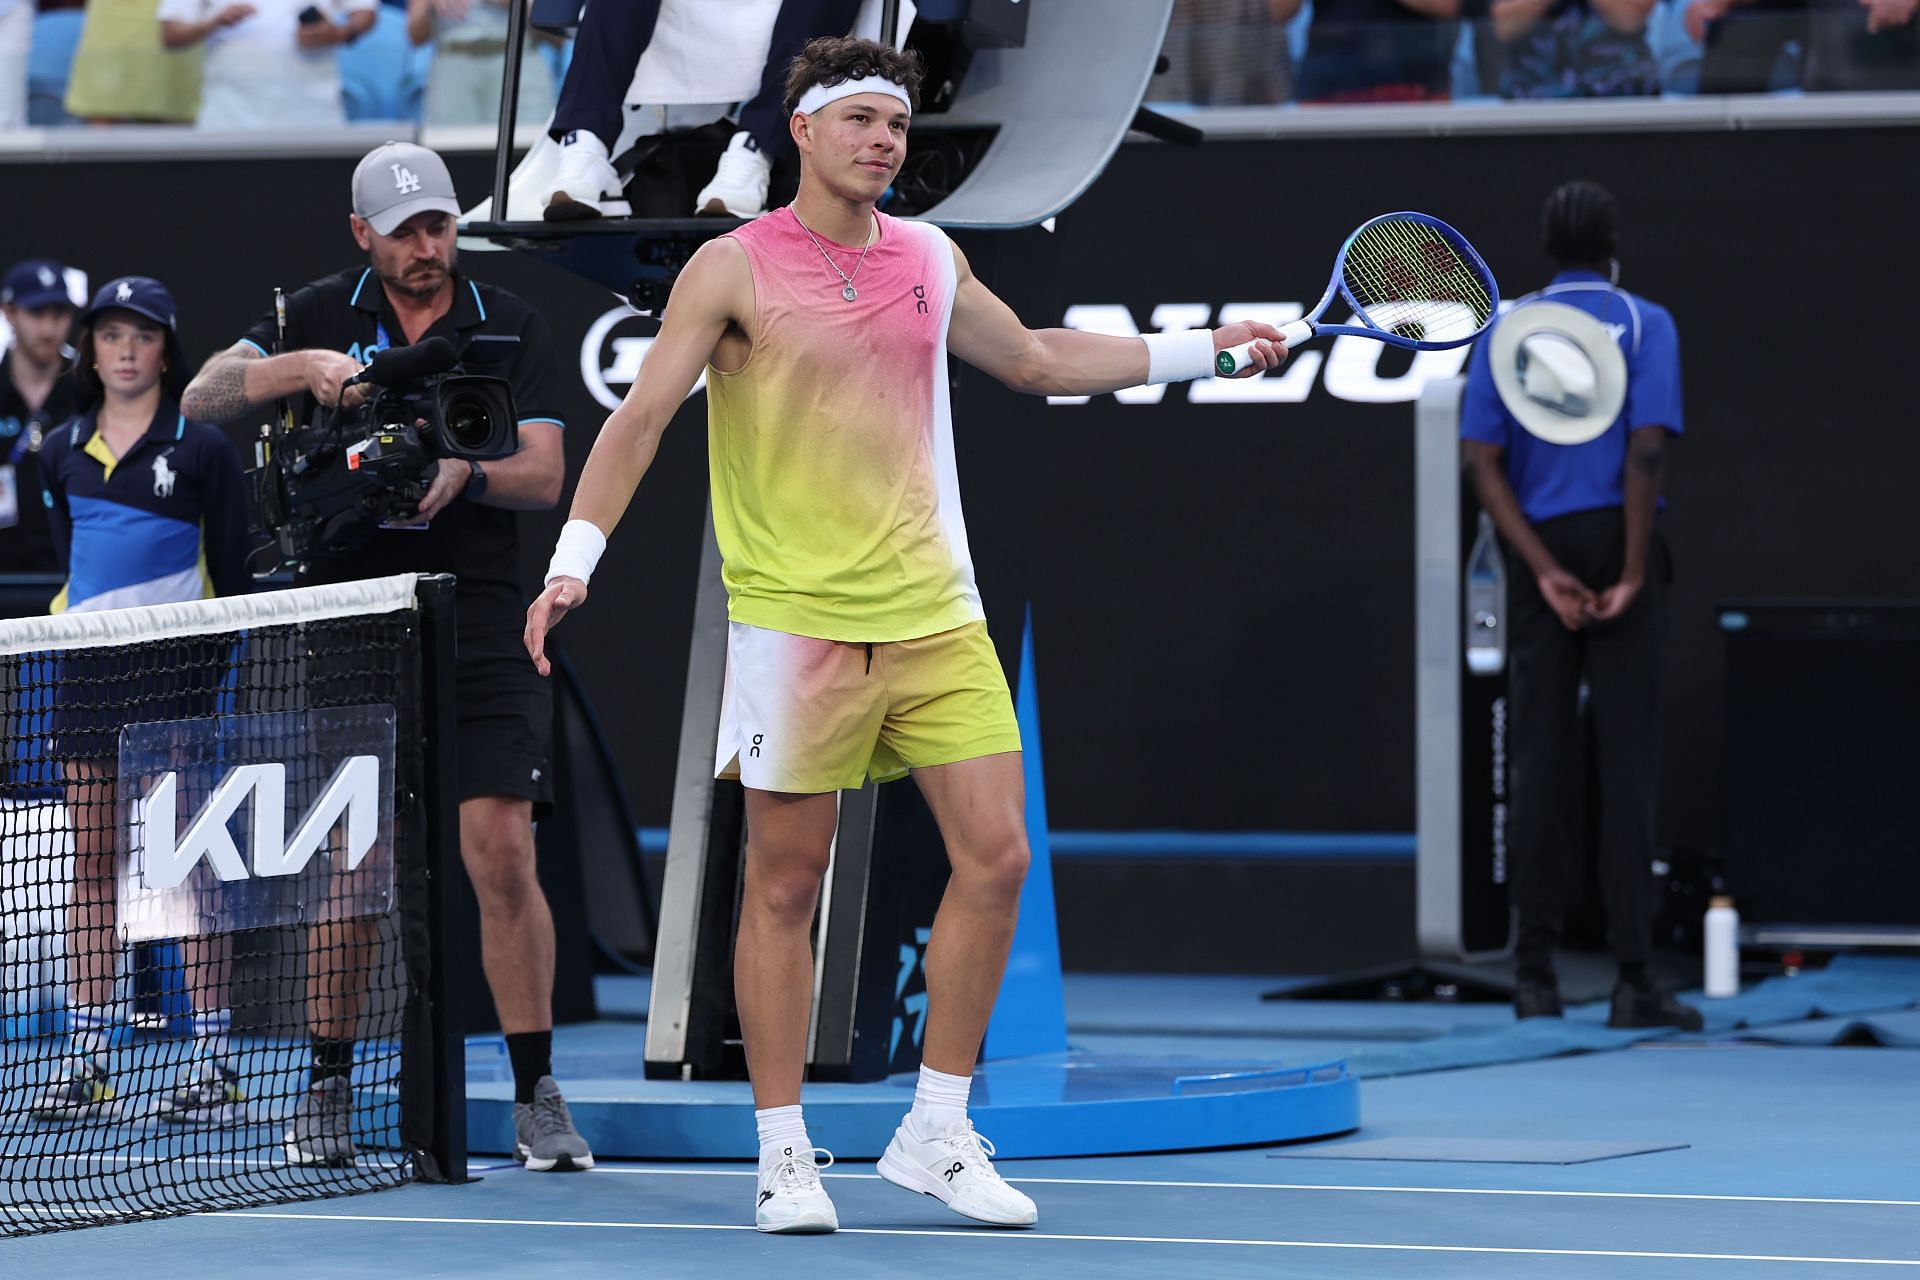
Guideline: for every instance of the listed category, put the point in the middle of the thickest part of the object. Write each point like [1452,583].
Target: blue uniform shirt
[1557,479]
[166,522]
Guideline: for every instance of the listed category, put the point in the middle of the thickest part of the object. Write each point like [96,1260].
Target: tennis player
[147,507]
[856,644]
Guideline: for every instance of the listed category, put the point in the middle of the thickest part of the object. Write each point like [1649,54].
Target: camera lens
[469,422]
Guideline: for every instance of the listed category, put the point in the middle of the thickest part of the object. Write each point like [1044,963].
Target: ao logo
[1349,368]
[612,352]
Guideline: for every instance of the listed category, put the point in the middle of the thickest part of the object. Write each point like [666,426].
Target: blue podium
[687,1097]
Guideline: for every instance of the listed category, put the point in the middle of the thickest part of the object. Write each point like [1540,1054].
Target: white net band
[87,630]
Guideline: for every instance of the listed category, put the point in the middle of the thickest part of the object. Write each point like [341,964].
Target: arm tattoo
[218,393]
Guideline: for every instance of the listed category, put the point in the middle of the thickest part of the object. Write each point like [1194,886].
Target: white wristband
[1180,356]
[578,551]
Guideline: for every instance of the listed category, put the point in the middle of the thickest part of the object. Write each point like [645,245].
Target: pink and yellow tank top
[835,499]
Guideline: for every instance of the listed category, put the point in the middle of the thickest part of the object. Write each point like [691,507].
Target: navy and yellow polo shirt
[166,522]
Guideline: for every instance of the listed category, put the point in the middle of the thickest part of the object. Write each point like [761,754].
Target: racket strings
[1405,277]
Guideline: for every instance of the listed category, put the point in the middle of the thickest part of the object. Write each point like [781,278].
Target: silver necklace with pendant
[849,292]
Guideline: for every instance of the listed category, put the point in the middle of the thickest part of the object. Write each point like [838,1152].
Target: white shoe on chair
[739,186]
[585,184]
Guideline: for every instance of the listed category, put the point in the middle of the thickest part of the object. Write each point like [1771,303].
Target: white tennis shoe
[585,184]
[791,1199]
[957,1170]
[739,185]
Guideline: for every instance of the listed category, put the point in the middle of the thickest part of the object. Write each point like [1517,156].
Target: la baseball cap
[396,180]
[35,283]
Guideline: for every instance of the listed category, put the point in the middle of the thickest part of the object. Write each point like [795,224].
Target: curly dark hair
[1578,224]
[831,60]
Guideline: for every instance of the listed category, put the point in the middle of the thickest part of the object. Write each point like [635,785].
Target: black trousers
[614,33]
[1620,663]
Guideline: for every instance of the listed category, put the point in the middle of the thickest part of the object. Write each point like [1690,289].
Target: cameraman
[404,213]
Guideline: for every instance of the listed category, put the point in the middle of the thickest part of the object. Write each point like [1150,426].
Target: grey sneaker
[209,1093]
[321,1130]
[83,1093]
[544,1139]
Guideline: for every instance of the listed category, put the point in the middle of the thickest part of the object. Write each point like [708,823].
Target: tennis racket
[1412,281]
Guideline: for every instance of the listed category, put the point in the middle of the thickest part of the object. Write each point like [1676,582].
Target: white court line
[1312,1186]
[978,1234]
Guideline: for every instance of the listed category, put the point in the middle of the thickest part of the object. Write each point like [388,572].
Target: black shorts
[506,725]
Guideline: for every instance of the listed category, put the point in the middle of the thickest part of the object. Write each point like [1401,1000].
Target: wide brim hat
[1559,372]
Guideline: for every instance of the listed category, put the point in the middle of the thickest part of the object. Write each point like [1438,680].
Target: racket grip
[1232,360]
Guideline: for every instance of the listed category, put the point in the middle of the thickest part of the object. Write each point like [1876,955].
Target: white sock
[938,1100]
[91,1027]
[211,1028]
[586,138]
[781,1128]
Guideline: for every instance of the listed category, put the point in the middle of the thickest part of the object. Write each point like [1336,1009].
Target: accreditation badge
[9,496]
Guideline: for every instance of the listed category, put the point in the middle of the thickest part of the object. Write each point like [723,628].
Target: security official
[404,218]
[37,393]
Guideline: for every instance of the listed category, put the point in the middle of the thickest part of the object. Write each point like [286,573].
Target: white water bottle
[1722,948]
[1486,638]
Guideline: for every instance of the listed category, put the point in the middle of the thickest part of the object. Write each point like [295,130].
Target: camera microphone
[397,366]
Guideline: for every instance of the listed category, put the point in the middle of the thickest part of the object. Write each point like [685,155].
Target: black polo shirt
[26,542]
[480,544]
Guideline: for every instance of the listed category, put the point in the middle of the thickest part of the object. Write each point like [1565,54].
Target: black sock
[1635,975]
[331,1057]
[1533,959]
[531,1053]
[1536,971]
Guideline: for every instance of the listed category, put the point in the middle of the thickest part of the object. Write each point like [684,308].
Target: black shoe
[1536,1000]
[1633,1007]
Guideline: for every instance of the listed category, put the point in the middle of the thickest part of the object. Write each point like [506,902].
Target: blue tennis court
[1763,1159]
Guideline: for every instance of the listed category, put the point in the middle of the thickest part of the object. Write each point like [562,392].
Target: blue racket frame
[1337,288]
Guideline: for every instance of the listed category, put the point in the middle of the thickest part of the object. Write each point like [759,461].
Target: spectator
[586,123]
[37,393]
[57,25]
[1574,48]
[1225,53]
[470,47]
[1848,45]
[270,64]
[122,73]
[1743,42]
[16,42]
[1578,510]
[1375,50]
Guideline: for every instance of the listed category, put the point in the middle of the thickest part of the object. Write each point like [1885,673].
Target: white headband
[820,95]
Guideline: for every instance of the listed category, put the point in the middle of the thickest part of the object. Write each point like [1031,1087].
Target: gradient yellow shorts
[805,715]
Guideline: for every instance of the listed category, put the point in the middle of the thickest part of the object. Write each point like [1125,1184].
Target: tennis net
[221,825]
